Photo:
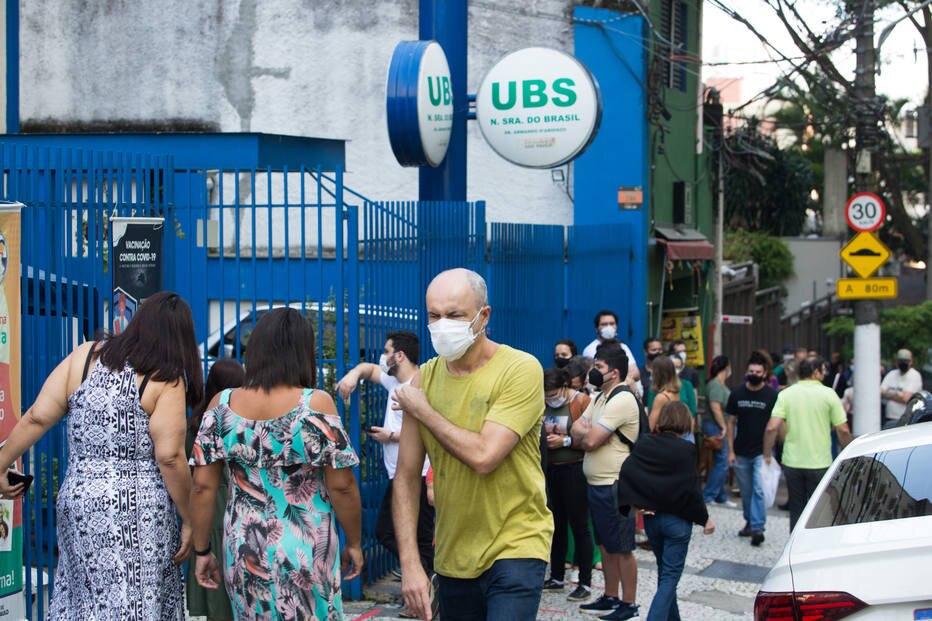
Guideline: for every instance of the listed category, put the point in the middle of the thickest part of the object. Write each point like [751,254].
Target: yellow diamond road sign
[865,254]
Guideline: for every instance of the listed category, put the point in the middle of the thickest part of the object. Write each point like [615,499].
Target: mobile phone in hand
[15,478]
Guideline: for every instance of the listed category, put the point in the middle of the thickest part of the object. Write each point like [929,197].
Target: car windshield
[888,485]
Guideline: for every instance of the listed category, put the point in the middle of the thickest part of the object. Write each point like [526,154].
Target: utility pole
[866,312]
[713,117]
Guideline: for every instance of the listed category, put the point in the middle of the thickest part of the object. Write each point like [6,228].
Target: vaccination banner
[12,603]
[137,266]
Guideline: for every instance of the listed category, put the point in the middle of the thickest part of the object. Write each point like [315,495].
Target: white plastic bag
[770,479]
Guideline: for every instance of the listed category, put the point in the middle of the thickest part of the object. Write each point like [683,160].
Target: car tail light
[774,607]
[818,606]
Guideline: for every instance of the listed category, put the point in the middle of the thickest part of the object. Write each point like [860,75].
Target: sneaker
[728,503]
[580,594]
[624,611]
[746,531]
[757,538]
[397,573]
[434,596]
[785,506]
[553,585]
[604,604]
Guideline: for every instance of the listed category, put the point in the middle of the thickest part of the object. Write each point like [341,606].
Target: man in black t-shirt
[748,408]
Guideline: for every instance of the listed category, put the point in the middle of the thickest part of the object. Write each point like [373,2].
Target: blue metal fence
[602,269]
[242,240]
[526,286]
[70,195]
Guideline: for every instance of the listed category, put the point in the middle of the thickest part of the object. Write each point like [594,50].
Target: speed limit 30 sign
[865,212]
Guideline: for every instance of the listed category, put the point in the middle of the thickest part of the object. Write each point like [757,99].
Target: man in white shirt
[397,366]
[899,385]
[606,327]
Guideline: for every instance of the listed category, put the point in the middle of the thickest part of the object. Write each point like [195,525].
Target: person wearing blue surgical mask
[478,410]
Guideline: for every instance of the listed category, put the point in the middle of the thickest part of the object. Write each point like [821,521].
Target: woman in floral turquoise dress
[290,466]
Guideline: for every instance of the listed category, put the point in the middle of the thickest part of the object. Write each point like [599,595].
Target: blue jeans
[669,539]
[714,490]
[509,589]
[748,473]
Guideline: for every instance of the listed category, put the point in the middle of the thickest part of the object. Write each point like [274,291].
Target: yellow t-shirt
[601,466]
[484,518]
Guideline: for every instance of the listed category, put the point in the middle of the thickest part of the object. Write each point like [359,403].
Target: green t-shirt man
[810,410]
[501,515]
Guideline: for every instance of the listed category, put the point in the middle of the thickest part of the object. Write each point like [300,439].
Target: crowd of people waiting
[492,462]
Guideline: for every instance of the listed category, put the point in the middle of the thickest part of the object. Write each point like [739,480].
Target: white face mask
[682,355]
[383,365]
[452,337]
[556,402]
[608,332]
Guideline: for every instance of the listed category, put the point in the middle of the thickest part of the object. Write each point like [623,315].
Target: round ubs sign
[539,107]
[419,103]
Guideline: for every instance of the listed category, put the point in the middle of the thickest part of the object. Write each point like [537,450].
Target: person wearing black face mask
[899,385]
[750,406]
[563,352]
[653,348]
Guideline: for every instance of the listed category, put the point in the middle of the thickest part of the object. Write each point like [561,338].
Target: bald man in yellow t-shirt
[477,415]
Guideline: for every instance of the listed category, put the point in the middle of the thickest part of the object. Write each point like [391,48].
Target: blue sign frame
[401,103]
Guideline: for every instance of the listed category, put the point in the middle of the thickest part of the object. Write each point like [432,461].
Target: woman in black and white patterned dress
[120,543]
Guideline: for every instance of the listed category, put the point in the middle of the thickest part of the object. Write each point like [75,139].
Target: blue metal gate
[240,240]
[403,246]
[70,195]
[237,243]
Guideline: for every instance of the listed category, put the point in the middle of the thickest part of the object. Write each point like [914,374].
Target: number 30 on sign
[865,212]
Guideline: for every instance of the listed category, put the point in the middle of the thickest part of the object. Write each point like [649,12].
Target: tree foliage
[767,189]
[819,104]
[908,327]
[772,255]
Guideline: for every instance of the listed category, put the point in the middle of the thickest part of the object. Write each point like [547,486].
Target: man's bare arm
[482,451]
[406,494]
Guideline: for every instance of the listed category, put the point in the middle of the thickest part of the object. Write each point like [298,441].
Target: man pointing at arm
[478,413]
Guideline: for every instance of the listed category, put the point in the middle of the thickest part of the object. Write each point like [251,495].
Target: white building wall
[816,268]
[300,67]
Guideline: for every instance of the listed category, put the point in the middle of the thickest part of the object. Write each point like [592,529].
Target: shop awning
[684,244]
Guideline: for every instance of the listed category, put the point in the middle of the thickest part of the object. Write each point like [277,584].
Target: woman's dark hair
[569,343]
[555,378]
[281,351]
[719,364]
[578,366]
[663,375]
[159,342]
[674,417]
[226,373]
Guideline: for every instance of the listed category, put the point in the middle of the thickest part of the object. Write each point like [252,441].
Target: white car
[862,548]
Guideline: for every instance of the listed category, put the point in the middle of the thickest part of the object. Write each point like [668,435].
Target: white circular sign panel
[865,212]
[538,107]
[434,104]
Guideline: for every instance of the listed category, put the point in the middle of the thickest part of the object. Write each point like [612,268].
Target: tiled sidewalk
[723,574]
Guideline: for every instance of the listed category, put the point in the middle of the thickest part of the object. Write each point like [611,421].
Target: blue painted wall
[613,47]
